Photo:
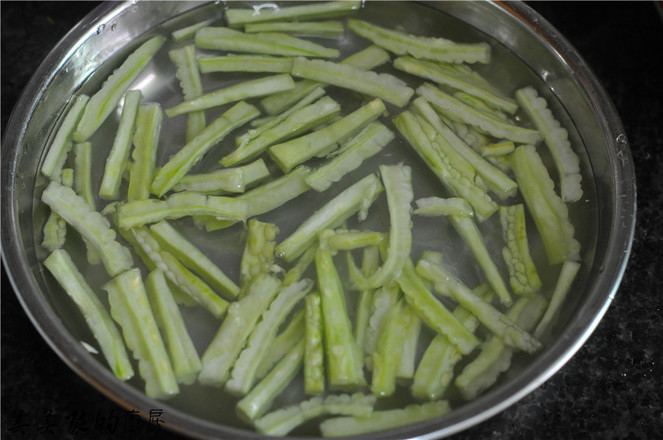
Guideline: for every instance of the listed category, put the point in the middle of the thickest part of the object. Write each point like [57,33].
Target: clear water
[158,84]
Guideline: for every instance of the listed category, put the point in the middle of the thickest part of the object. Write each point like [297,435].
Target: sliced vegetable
[130,308]
[320,29]
[497,149]
[437,206]
[297,271]
[183,354]
[55,232]
[384,299]
[345,240]
[104,101]
[523,277]
[188,32]
[180,164]
[189,76]
[116,163]
[387,356]
[96,316]
[370,262]
[314,356]
[284,342]
[144,155]
[438,49]
[92,226]
[384,86]
[245,63]
[566,277]
[224,181]
[270,13]
[258,255]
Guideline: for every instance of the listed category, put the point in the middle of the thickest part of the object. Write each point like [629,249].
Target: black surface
[611,388]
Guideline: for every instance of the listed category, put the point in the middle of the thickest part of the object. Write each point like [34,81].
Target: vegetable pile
[349,308]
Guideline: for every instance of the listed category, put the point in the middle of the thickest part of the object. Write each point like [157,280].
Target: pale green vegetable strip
[241,318]
[495,357]
[189,76]
[564,281]
[116,163]
[284,342]
[367,143]
[267,122]
[436,367]
[183,354]
[282,421]
[457,77]
[523,277]
[412,128]
[436,206]
[96,316]
[180,164]
[314,357]
[261,397]
[350,201]
[55,232]
[193,258]
[258,255]
[83,187]
[384,299]
[496,180]
[343,356]
[384,86]
[370,262]
[144,155]
[67,177]
[92,226]
[493,319]
[235,92]
[243,375]
[397,181]
[224,181]
[62,143]
[105,100]
[383,419]
[320,29]
[301,266]
[556,138]
[266,197]
[438,49]
[468,230]
[130,308]
[487,122]
[368,58]
[550,213]
[268,43]
[182,204]
[498,149]
[408,361]
[296,123]
[245,63]
[298,150]
[433,312]
[149,248]
[344,240]
[387,356]
[238,17]
[189,31]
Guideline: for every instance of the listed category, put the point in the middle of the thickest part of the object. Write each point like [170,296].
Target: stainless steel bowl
[518,35]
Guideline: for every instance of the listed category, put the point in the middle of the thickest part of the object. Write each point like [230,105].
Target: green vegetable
[389,350]
[370,262]
[224,181]
[438,49]
[320,29]
[353,199]
[92,226]
[284,342]
[269,13]
[436,206]
[172,172]
[268,43]
[523,276]
[314,367]
[497,150]
[188,32]
[183,355]
[130,308]
[345,240]
[550,213]
[189,255]
[62,142]
[245,63]
[83,187]
[144,155]
[105,100]
[555,136]
[189,76]
[564,282]
[282,421]
[116,163]
[342,354]
[383,420]
[55,232]
[301,266]
[383,86]
[384,299]
[241,318]
[298,150]
[96,316]
[258,255]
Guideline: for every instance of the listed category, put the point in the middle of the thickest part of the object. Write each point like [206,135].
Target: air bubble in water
[113,26]
[621,139]
[101,28]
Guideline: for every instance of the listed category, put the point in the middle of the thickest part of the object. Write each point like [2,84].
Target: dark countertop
[610,389]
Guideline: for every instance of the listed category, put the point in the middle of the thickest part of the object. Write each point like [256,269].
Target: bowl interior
[525,52]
